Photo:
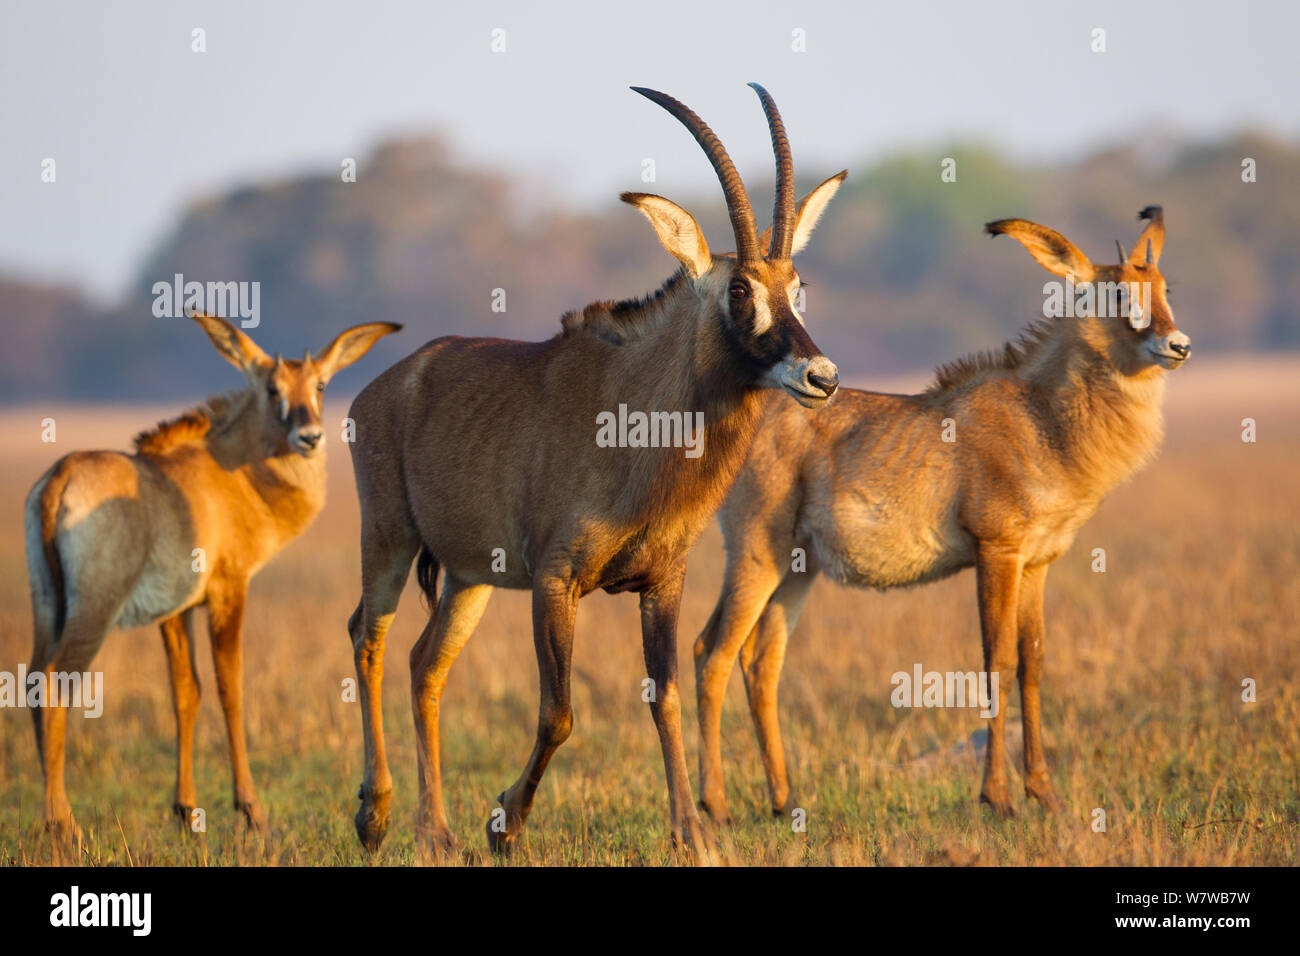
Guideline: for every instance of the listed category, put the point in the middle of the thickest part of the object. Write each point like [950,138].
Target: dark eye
[739,290]
[320,386]
[272,391]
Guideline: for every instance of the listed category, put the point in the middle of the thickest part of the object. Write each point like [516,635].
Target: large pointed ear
[806,215]
[676,229]
[238,349]
[350,345]
[1153,235]
[1052,250]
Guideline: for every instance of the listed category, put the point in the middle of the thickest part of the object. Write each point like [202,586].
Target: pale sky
[139,125]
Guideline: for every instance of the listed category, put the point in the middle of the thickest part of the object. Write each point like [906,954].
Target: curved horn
[1120,248]
[783,209]
[738,208]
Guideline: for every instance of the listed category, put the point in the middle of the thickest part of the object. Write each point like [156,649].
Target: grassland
[1142,694]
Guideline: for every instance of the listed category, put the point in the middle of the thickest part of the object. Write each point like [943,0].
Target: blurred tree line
[899,273]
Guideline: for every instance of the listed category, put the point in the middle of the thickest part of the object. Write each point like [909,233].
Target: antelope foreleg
[1038,784]
[177,642]
[659,610]
[998,580]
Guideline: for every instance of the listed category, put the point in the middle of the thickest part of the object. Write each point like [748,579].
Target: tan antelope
[477,452]
[117,540]
[877,498]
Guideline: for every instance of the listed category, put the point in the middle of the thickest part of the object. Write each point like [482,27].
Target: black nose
[827,385]
[1183,350]
[310,439]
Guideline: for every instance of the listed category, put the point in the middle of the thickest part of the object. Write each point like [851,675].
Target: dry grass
[1142,693]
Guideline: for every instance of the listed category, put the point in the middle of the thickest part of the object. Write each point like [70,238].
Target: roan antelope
[1043,431]
[117,540]
[475,447]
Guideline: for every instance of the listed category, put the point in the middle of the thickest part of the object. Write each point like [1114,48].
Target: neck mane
[667,352]
[628,320]
[201,425]
[1102,413]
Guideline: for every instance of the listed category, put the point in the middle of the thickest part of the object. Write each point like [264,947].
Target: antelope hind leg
[745,593]
[458,611]
[659,611]
[761,659]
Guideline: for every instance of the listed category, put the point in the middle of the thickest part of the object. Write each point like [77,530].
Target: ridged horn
[783,208]
[733,189]
[1122,258]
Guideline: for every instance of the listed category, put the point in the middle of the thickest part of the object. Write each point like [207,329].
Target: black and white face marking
[1163,343]
[770,333]
[295,396]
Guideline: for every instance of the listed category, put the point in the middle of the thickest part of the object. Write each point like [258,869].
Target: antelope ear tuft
[235,347]
[1149,245]
[1050,249]
[677,230]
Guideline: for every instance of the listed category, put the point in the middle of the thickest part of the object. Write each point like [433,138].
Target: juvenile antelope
[475,448]
[876,498]
[117,540]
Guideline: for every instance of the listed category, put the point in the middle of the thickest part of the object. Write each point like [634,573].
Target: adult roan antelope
[111,541]
[473,445]
[876,498]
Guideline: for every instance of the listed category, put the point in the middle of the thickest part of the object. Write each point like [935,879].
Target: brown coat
[996,467]
[116,540]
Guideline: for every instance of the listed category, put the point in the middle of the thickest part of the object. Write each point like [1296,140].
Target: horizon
[703,195]
[294,94]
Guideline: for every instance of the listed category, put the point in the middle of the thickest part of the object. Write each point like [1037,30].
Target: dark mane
[1012,356]
[215,414]
[624,321]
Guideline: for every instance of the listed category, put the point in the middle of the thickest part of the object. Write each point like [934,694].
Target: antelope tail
[44,566]
[426,575]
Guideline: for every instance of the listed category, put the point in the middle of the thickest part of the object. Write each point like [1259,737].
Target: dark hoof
[503,829]
[785,810]
[718,817]
[1045,796]
[999,805]
[439,842]
[65,831]
[254,815]
[500,843]
[372,819]
[696,844]
[184,816]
